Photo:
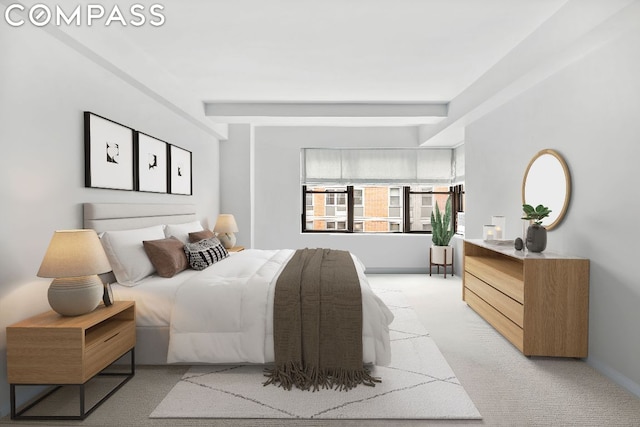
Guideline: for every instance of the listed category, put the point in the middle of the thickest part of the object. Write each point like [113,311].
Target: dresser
[49,349]
[537,301]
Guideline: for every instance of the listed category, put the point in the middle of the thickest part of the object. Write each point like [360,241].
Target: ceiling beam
[382,113]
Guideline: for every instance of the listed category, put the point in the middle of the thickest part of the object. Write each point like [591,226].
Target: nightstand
[236,249]
[53,350]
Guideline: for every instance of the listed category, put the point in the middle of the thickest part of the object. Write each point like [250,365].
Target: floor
[508,388]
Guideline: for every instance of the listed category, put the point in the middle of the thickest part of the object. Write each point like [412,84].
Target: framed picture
[179,171]
[108,153]
[152,169]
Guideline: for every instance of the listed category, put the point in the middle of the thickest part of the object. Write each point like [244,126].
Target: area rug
[419,384]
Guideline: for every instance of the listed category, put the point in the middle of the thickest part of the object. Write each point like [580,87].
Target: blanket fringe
[292,374]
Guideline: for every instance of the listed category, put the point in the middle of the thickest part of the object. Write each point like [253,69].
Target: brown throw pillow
[166,255]
[196,236]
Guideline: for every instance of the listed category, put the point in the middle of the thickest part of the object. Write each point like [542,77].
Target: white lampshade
[74,258]
[225,227]
[226,223]
[74,253]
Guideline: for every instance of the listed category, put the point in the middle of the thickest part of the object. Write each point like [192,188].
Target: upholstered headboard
[124,216]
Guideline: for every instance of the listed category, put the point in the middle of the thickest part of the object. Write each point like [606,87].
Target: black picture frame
[110,157]
[152,172]
[180,171]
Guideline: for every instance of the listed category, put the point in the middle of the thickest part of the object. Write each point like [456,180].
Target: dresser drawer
[504,276]
[506,327]
[504,304]
[113,340]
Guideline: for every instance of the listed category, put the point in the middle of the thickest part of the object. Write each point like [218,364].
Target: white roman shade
[458,164]
[382,165]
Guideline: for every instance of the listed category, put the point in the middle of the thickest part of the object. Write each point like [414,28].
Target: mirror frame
[567,177]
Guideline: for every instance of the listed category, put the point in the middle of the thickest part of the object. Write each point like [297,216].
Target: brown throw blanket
[317,323]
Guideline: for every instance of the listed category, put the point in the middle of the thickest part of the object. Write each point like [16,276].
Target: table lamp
[225,227]
[73,259]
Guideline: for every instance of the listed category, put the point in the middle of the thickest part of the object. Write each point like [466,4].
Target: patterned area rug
[419,384]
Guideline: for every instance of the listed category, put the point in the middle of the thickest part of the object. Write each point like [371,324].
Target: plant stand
[431,263]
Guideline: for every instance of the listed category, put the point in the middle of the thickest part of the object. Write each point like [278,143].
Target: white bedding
[154,297]
[224,314]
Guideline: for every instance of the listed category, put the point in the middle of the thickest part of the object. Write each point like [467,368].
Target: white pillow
[126,253]
[181,231]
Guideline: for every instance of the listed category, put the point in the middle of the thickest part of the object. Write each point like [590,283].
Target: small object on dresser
[518,244]
[107,297]
[500,223]
[489,232]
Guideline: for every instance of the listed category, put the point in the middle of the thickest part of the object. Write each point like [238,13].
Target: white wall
[278,195]
[45,86]
[588,112]
[235,180]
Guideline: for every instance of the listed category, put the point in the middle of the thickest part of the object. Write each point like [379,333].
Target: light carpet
[419,384]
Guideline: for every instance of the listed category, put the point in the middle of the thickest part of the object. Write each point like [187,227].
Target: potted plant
[536,240]
[441,234]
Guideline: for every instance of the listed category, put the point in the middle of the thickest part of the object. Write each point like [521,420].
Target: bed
[167,329]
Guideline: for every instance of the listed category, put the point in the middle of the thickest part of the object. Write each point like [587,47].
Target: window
[335,203]
[394,203]
[376,208]
[354,190]
[329,210]
[336,225]
[309,205]
[458,205]
[372,208]
[358,202]
[422,201]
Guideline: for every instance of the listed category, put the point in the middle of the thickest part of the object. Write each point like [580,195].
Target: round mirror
[547,182]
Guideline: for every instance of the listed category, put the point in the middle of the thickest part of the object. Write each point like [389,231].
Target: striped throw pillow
[205,253]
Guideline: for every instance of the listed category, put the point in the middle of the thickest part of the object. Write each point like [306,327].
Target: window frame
[349,216]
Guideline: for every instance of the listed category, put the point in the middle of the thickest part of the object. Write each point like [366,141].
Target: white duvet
[225,314]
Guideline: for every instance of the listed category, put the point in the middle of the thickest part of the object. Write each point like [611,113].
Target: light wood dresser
[537,301]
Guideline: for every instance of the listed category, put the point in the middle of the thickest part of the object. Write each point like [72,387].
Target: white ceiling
[337,50]
[268,56]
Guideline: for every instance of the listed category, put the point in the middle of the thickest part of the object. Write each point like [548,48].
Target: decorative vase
[438,254]
[536,238]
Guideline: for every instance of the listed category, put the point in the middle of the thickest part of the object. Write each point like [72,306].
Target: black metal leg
[18,415]
[82,400]
[13,400]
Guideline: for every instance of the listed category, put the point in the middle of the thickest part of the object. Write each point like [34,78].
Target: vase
[438,255]
[536,238]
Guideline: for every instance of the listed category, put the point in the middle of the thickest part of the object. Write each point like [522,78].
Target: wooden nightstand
[49,349]
[236,249]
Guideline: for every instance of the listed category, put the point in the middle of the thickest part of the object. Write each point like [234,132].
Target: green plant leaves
[442,229]
[536,214]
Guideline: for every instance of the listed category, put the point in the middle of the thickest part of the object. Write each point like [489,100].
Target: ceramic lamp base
[73,296]
[228,240]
